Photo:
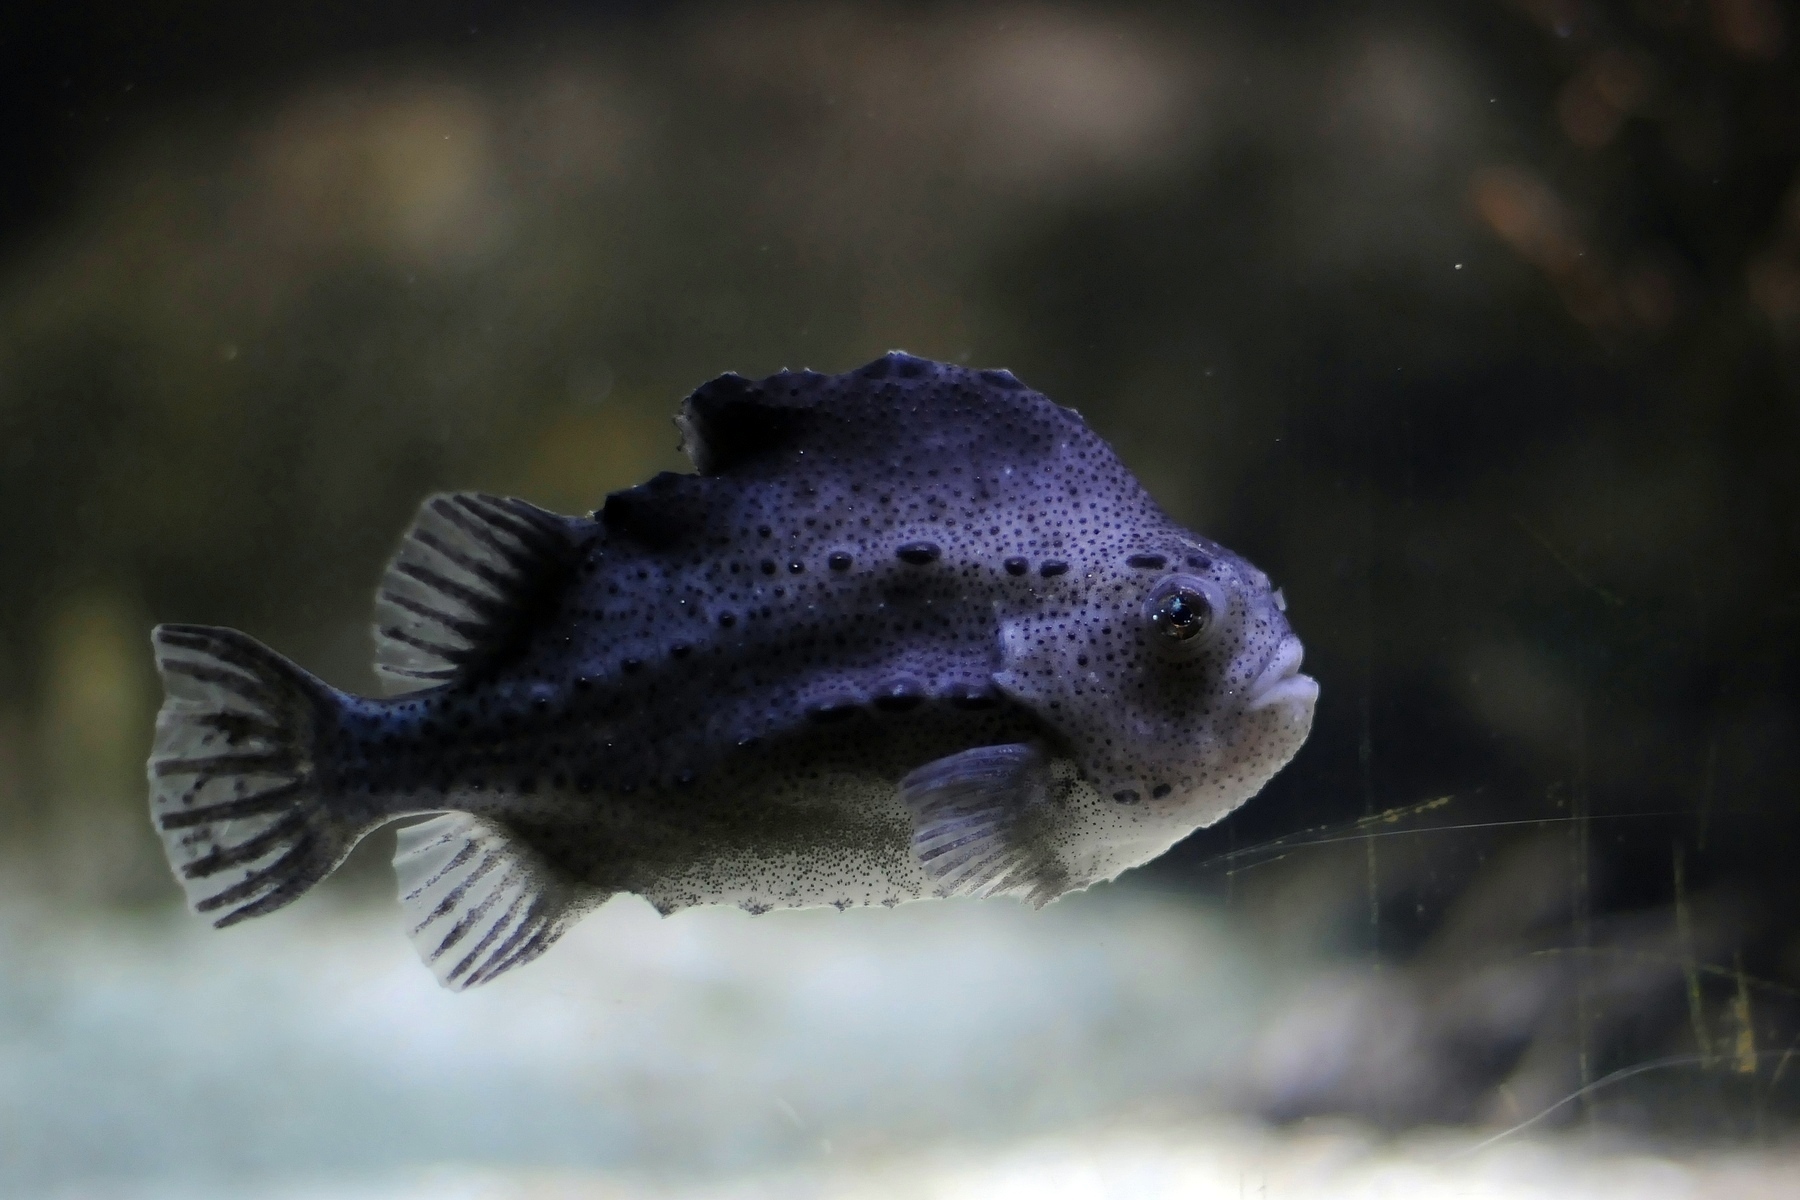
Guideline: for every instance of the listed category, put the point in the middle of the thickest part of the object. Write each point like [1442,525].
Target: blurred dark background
[1476,324]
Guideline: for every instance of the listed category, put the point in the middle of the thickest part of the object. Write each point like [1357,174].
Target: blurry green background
[1477,325]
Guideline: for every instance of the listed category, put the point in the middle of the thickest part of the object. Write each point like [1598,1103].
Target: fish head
[1174,677]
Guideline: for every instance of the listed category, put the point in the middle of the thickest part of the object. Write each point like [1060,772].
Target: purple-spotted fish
[908,631]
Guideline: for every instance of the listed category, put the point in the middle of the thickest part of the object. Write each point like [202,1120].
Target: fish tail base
[233,785]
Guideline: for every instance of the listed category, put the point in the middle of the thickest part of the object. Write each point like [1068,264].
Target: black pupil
[1183,613]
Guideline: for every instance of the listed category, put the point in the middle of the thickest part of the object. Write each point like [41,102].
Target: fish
[905,632]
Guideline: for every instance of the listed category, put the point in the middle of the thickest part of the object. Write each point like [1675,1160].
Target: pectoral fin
[979,822]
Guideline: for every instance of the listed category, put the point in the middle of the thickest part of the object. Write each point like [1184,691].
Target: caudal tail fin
[233,787]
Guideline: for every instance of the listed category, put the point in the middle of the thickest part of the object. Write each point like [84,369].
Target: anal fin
[478,900]
[978,822]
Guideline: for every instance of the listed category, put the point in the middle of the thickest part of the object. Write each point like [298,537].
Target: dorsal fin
[469,580]
[660,512]
[732,422]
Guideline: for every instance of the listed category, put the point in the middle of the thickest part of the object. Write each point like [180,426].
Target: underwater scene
[900,600]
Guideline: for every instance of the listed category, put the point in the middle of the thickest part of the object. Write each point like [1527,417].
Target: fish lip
[1281,681]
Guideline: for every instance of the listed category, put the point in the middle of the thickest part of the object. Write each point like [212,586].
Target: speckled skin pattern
[713,697]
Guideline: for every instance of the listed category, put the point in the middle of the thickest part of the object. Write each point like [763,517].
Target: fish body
[909,631]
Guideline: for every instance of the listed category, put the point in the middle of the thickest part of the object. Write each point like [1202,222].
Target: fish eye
[1183,607]
[1182,615]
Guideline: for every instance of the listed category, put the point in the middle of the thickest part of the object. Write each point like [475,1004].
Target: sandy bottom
[1199,1162]
[939,1050]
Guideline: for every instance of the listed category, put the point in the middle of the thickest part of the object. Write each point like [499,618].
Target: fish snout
[1281,681]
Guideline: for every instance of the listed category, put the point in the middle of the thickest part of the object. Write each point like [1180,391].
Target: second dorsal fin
[470,579]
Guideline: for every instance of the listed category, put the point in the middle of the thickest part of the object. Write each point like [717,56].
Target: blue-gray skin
[908,631]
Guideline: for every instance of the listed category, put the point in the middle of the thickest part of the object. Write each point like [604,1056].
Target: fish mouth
[1281,681]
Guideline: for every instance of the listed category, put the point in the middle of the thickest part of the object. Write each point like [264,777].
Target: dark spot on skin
[918,553]
[1052,568]
[1160,790]
[1081,660]
[796,567]
[1199,562]
[763,531]
[839,561]
[1016,566]
[1147,562]
[727,620]
[768,566]
[1126,796]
